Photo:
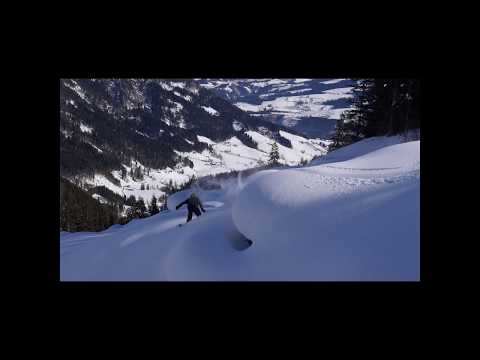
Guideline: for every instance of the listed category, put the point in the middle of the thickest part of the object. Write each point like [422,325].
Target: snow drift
[355,220]
[353,215]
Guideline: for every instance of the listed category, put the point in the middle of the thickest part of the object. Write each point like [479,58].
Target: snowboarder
[194,204]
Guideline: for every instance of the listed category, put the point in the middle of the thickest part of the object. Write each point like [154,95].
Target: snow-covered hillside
[169,130]
[310,106]
[221,157]
[352,215]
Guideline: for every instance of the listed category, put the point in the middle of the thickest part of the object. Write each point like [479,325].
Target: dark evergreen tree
[274,155]
[133,213]
[141,205]
[153,208]
[138,173]
[80,212]
[131,201]
[380,107]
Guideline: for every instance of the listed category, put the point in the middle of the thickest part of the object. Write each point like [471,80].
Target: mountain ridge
[124,133]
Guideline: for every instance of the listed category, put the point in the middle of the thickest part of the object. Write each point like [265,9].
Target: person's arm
[181,204]
[201,206]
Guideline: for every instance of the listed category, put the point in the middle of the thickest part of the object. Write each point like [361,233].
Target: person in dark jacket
[193,205]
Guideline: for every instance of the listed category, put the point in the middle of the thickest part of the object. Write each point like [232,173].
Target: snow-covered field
[298,106]
[353,215]
[297,103]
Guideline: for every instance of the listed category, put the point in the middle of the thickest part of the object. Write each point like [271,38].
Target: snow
[268,82]
[232,154]
[205,140]
[311,105]
[355,219]
[333,81]
[307,147]
[166,86]
[247,107]
[168,122]
[86,129]
[208,85]
[302,80]
[358,149]
[177,107]
[359,222]
[100,198]
[96,148]
[143,134]
[300,91]
[226,156]
[302,105]
[237,126]
[156,179]
[177,84]
[302,148]
[308,105]
[181,123]
[65,133]
[78,90]
[210,110]
[340,91]
[71,102]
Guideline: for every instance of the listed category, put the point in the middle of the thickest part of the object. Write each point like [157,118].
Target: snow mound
[359,221]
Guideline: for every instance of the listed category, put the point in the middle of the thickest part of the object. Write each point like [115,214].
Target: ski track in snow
[333,220]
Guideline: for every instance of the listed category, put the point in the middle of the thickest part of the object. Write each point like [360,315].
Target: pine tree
[153,208]
[138,173]
[141,205]
[131,201]
[380,107]
[274,155]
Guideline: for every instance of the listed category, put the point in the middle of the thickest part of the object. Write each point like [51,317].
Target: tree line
[380,107]
[79,211]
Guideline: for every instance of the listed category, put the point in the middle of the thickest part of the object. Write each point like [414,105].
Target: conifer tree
[274,155]
[153,208]
[381,107]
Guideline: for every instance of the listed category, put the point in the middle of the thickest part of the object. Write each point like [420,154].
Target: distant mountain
[133,136]
[309,106]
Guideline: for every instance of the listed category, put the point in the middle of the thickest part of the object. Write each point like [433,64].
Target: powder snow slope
[352,220]
[354,216]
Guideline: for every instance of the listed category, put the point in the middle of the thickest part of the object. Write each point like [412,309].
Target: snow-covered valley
[351,215]
[310,106]
[136,136]
[221,157]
